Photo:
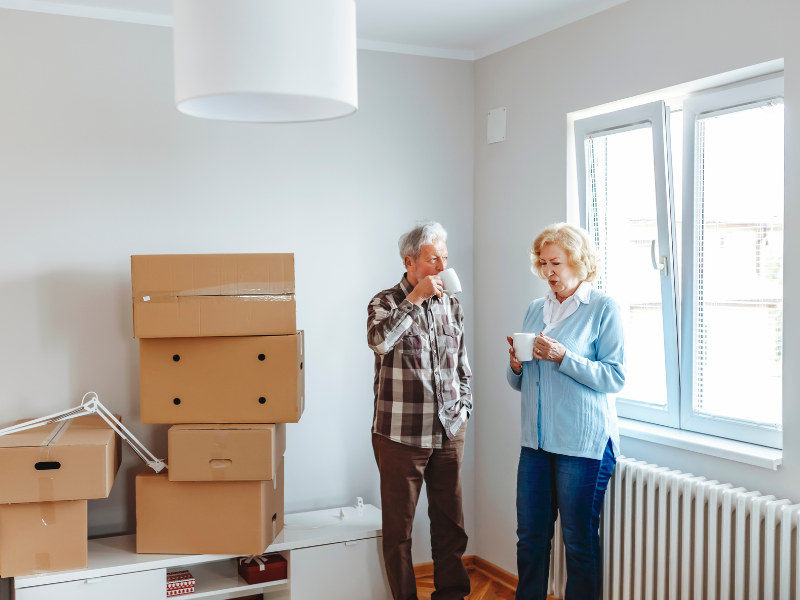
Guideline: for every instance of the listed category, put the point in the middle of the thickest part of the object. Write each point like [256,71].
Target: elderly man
[422,403]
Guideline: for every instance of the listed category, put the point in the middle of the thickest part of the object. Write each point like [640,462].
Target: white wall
[96,164]
[521,186]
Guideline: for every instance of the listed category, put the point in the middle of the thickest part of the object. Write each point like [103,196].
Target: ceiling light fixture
[266,61]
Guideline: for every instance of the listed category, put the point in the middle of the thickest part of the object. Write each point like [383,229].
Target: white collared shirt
[554,312]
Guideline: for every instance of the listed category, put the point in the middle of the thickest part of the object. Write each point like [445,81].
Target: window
[686,209]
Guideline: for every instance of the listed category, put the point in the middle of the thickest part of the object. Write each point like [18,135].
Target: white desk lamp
[94,407]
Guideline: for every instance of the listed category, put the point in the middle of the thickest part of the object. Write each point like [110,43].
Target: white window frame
[656,116]
[678,315]
[743,97]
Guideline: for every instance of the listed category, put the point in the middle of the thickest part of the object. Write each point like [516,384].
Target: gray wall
[521,186]
[96,164]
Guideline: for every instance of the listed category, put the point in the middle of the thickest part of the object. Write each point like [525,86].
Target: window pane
[738,308]
[676,137]
[622,221]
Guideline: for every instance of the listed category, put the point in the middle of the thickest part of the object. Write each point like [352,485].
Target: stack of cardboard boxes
[47,475]
[221,361]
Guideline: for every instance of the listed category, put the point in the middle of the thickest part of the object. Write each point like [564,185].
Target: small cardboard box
[207,517]
[76,459]
[43,537]
[256,379]
[243,452]
[200,295]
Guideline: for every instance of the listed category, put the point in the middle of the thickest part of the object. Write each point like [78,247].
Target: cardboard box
[201,295]
[256,379]
[76,459]
[207,517]
[243,452]
[43,537]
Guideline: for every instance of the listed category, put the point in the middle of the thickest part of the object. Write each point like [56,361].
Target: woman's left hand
[547,348]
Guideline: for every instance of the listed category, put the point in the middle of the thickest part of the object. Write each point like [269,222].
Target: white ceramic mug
[452,285]
[523,346]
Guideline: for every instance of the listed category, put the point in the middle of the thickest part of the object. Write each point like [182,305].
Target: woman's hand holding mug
[516,365]
[544,348]
[547,348]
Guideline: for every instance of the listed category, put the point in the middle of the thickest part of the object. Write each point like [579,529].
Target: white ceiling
[465,29]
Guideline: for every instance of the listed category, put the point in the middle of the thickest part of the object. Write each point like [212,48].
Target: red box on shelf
[264,568]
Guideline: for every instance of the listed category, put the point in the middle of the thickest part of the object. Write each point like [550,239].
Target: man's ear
[408,262]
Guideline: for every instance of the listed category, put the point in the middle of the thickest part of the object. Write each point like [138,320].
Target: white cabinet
[335,554]
[131,586]
[345,571]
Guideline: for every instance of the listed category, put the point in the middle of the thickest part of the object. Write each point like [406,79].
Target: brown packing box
[195,316]
[76,459]
[42,537]
[242,452]
[207,517]
[256,379]
[200,295]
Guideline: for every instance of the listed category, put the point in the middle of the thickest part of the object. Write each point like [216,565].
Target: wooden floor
[483,587]
[490,584]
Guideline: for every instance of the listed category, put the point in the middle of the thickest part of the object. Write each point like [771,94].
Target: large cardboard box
[207,517]
[243,452]
[256,379]
[200,295]
[42,537]
[76,459]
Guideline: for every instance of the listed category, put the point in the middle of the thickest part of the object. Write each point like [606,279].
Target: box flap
[164,275]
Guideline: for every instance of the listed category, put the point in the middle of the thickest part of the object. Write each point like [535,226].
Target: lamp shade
[269,61]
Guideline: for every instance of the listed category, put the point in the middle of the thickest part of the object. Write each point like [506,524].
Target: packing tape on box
[218,463]
[171,297]
[46,491]
[219,468]
[241,288]
[220,442]
[56,434]
[42,563]
[48,512]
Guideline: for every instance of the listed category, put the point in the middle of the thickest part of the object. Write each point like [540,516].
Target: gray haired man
[422,403]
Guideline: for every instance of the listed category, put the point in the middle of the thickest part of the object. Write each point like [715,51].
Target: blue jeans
[549,484]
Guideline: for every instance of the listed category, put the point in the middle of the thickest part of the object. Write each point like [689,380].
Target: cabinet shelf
[215,578]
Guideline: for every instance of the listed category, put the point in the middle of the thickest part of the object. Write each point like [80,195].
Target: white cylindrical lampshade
[268,61]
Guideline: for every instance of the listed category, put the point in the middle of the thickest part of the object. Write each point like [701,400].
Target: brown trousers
[402,469]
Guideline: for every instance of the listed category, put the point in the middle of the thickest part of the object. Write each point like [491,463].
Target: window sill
[750,454]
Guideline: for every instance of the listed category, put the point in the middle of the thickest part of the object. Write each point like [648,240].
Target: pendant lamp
[266,61]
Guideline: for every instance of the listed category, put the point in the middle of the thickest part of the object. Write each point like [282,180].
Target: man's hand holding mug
[427,287]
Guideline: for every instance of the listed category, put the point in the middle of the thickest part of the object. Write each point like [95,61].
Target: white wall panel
[521,186]
[96,164]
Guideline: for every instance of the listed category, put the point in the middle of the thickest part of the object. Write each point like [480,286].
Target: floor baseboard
[496,573]
[492,571]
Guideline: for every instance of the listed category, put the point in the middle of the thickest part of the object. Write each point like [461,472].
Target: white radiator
[668,535]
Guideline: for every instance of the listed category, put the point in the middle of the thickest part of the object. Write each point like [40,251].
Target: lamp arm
[55,418]
[93,407]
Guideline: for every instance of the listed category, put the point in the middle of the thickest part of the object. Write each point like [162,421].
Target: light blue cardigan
[577,417]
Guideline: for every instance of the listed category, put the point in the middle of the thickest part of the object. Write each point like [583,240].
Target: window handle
[661,265]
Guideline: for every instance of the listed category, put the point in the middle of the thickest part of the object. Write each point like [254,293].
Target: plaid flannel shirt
[421,367]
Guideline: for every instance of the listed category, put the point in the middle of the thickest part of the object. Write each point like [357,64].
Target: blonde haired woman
[569,430]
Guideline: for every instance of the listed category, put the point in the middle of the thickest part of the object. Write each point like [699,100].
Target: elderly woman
[569,428]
